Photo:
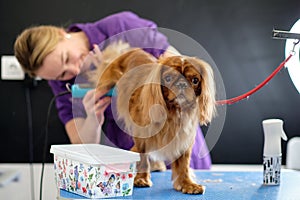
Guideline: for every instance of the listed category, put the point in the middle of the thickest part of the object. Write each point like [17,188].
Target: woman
[57,55]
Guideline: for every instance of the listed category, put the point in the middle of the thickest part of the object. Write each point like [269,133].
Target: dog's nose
[181,84]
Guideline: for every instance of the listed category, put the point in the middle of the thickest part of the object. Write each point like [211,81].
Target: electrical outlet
[11,69]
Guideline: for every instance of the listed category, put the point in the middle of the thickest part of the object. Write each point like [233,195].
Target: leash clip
[294,45]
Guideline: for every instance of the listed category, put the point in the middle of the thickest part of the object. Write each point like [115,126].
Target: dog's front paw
[142,180]
[190,188]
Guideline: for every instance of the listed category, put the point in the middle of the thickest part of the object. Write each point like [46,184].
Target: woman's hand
[96,55]
[87,130]
[95,104]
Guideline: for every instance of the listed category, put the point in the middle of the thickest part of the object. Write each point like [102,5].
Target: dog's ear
[206,100]
[153,104]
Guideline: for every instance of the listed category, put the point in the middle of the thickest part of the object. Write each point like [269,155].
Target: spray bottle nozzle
[273,131]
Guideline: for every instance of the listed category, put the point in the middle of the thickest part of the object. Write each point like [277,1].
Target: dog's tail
[109,54]
[113,51]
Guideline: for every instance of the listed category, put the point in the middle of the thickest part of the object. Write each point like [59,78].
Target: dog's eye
[195,80]
[168,78]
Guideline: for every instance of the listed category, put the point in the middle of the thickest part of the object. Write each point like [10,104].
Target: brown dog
[161,102]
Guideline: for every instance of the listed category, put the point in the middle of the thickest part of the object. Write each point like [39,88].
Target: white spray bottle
[273,131]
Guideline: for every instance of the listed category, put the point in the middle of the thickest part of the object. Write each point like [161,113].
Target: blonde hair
[34,44]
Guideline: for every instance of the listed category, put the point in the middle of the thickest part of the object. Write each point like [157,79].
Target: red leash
[246,95]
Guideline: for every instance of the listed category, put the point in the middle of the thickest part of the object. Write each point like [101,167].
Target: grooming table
[219,185]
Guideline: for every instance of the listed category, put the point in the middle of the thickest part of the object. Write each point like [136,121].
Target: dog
[161,102]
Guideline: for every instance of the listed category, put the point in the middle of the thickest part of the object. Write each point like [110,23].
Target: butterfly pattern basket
[94,171]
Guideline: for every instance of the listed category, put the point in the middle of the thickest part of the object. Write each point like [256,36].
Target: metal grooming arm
[278,34]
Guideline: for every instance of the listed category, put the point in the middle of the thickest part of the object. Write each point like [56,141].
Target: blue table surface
[219,185]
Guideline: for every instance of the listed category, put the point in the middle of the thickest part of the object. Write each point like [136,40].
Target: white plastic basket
[93,170]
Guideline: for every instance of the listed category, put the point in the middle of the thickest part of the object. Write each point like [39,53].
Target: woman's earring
[68,36]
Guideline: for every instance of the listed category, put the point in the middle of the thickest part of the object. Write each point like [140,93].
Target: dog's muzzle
[181,84]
